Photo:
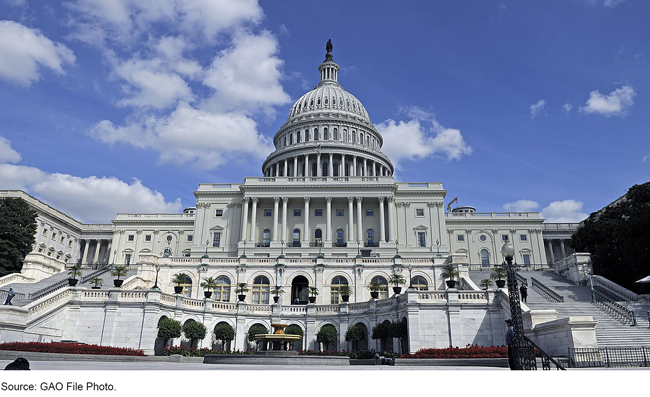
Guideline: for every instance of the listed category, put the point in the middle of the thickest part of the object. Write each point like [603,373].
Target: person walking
[10,296]
[523,291]
[510,336]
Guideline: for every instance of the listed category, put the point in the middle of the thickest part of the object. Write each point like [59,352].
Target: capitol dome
[328,133]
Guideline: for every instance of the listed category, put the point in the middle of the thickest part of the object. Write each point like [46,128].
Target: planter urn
[501,283]
[451,283]
[312,299]
[397,290]
[241,297]
[96,287]
[207,294]
[72,282]
[345,298]
[276,299]
[117,283]
[178,289]
[374,294]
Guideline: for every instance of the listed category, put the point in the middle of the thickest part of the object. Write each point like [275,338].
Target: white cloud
[646,158]
[246,76]
[7,154]
[537,108]
[567,107]
[284,30]
[91,199]
[23,51]
[412,141]
[202,138]
[614,104]
[612,3]
[521,206]
[567,211]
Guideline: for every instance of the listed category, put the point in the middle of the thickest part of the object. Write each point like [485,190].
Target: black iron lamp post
[524,353]
[155,285]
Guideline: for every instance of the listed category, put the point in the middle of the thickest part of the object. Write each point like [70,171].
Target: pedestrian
[296,301]
[523,291]
[510,336]
[19,364]
[10,296]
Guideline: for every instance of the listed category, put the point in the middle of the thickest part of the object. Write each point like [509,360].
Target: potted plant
[313,292]
[119,271]
[178,279]
[449,271]
[345,292]
[97,282]
[208,284]
[397,279]
[499,275]
[241,291]
[75,271]
[374,289]
[277,290]
[486,283]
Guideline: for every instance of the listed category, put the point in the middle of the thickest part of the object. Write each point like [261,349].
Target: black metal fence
[609,357]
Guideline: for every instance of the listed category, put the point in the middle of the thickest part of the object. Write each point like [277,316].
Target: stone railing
[37,308]
[224,306]
[358,306]
[576,267]
[599,281]
[14,278]
[328,309]
[293,310]
[259,308]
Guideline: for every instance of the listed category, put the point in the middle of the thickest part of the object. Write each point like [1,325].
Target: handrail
[50,288]
[522,280]
[546,359]
[94,274]
[614,308]
[614,288]
[545,291]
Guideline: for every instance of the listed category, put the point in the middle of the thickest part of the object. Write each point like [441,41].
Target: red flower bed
[69,348]
[470,351]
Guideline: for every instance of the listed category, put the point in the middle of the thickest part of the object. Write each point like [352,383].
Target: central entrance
[299,290]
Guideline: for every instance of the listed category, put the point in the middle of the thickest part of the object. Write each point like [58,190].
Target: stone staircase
[610,331]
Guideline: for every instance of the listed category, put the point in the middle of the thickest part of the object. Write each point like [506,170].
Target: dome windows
[318,102]
[326,99]
[334,101]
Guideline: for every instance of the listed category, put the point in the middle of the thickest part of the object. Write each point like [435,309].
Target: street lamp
[358,248]
[155,285]
[523,352]
[410,279]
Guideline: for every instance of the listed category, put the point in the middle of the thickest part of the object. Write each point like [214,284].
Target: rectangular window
[216,239]
[218,213]
[419,212]
[370,213]
[297,213]
[526,259]
[504,237]
[422,242]
[45,232]
[147,237]
[318,212]
[62,240]
[131,237]
[523,237]
[70,243]
[340,213]
[54,236]
[127,259]
[268,212]
[460,238]
[190,237]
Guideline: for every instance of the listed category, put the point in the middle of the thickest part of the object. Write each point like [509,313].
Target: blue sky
[126,106]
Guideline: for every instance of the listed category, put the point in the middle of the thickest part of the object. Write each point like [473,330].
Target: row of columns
[282,166]
[247,235]
[549,244]
[98,245]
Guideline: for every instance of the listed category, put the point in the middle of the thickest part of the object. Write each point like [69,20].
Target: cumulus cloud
[614,104]
[23,51]
[612,3]
[521,206]
[537,108]
[421,137]
[91,199]
[567,211]
[202,138]
[7,154]
[567,107]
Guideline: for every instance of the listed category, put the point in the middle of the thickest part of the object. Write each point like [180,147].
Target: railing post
[633,319]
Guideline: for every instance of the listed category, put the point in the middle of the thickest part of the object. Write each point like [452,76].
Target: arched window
[222,292]
[335,295]
[267,238]
[336,134]
[290,139]
[340,236]
[361,138]
[371,238]
[298,137]
[383,293]
[345,135]
[316,134]
[314,169]
[325,168]
[306,135]
[367,141]
[261,287]
[485,258]
[325,137]
[347,169]
[354,137]
[318,237]
[187,287]
[335,168]
[296,237]
[285,141]
[419,283]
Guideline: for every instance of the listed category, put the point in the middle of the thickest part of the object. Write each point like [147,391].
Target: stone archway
[363,344]
[300,290]
[386,344]
[159,343]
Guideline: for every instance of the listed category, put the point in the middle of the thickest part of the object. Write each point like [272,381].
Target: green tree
[398,329]
[255,330]
[169,329]
[617,236]
[354,334]
[326,335]
[17,233]
[294,330]
[194,331]
[225,333]
[380,331]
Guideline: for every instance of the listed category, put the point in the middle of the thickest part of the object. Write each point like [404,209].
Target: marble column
[319,171]
[391,219]
[382,226]
[85,255]
[305,234]
[330,171]
[328,231]
[285,200]
[295,166]
[253,235]
[276,201]
[359,218]
[306,165]
[244,224]
[350,220]
[98,245]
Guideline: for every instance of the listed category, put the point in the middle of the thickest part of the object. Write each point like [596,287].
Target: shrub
[256,329]
[326,335]
[194,331]
[69,348]
[355,334]
[224,333]
[294,330]
[380,331]
[169,329]
[183,351]
[469,351]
